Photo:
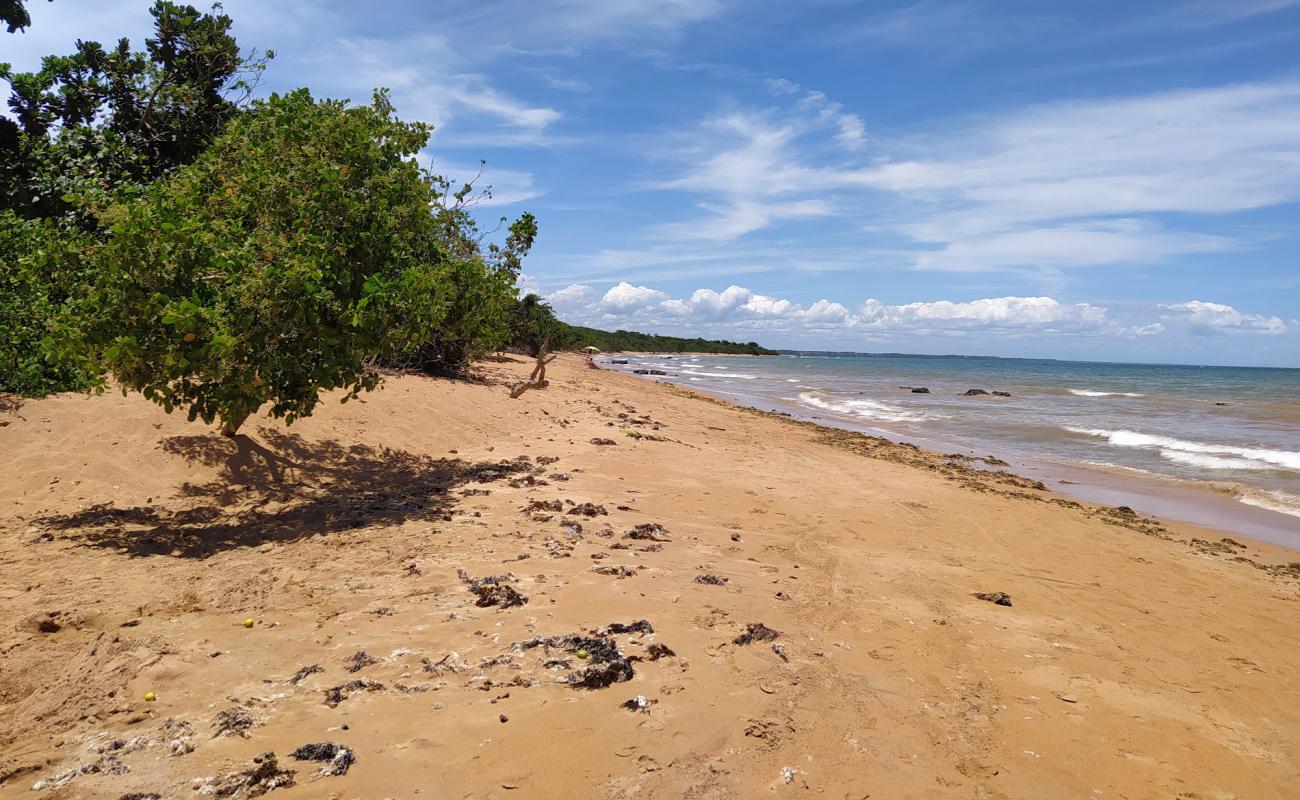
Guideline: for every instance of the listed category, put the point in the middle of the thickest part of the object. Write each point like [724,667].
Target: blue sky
[1100,180]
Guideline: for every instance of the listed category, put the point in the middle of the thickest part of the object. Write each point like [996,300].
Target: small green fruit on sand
[581,654]
[248,623]
[150,697]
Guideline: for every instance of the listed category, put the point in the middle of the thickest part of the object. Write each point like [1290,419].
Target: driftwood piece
[537,380]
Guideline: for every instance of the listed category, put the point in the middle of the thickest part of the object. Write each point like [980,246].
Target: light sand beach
[1138,659]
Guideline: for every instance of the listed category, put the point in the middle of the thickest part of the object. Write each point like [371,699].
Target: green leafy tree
[481,295]
[13,14]
[41,267]
[302,245]
[533,326]
[107,118]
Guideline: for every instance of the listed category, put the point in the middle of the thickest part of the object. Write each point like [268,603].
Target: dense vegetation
[222,255]
[572,336]
[161,229]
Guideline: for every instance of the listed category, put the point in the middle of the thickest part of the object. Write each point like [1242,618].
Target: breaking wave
[1210,456]
[1281,502]
[1095,393]
[867,409]
[718,374]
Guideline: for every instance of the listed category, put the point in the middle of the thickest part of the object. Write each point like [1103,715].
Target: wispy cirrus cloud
[1046,187]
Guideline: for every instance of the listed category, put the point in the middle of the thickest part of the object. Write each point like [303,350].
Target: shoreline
[1189,502]
[767,606]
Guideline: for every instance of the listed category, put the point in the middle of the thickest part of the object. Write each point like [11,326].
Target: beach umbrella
[591,351]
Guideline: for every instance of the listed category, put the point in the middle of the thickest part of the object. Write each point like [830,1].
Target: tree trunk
[230,427]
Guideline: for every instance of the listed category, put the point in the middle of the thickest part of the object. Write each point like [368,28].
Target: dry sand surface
[1138,660]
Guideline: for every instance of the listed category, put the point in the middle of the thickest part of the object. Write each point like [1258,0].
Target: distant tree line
[534,323]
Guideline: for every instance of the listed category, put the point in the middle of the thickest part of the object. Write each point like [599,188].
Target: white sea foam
[718,374]
[1094,393]
[1281,502]
[1213,456]
[1212,462]
[868,409]
[791,380]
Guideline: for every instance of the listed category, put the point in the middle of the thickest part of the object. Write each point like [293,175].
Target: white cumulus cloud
[625,296]
[994,312]
[1206,317]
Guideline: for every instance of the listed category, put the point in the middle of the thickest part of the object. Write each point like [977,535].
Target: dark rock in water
[341,758]
[648,372]
[1220,404]
[997,598]
[756,632]
[618,361]
[973,392]
[1002,394]
[919,390]
[1124,510]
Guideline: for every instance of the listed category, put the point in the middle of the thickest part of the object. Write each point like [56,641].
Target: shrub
[294,251]
[41,266]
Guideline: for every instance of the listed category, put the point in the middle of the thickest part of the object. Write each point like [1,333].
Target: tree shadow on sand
[281,489]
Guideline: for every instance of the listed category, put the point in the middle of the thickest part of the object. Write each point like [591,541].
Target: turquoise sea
[1232,432]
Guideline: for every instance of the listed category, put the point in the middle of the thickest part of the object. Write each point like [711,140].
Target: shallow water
[1232,431]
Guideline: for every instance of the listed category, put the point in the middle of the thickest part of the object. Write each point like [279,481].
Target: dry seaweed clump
[494,590]
[340,759]
[303,673]
[589,510]
[338,694]
[233,721]
[537,506]
[756,632]
[997,598]
[605,664]
[262,777]
[359,661]
[648,531]
[711,580]
[640,626]
[486,473]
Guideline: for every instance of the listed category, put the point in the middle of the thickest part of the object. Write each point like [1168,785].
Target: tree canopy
[297,248]
[108,118]
[14,16]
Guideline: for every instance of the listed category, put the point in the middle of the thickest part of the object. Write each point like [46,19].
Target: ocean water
[1233,431]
